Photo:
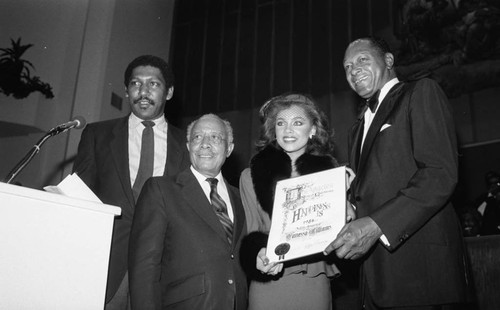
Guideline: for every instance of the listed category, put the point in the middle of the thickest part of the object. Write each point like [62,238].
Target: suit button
[232,256]
[230,281]
[358,198]
[403,237]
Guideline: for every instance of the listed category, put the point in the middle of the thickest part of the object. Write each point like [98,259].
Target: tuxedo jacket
[179,256]
[102,163]
[405,175]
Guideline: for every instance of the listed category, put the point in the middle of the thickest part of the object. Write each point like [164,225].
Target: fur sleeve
[250,247]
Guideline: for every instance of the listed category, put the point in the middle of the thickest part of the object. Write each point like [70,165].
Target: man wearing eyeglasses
[187,231]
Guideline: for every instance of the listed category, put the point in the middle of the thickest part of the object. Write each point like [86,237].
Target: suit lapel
[174,152]
[194,195]
[239,214]
[119,151]
[389,103]
[355,141]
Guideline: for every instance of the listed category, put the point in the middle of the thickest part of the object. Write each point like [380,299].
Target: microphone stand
[34,150]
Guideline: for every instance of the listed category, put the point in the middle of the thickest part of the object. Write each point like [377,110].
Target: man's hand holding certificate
[308,213]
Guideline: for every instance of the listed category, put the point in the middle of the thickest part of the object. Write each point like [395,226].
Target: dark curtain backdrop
[234,54]
[230,56]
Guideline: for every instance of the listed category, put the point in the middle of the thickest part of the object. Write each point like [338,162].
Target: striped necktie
[220,209]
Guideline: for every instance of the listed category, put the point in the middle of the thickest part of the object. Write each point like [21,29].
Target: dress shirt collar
[369,115]
[134,121]
[385,89]
[202,179]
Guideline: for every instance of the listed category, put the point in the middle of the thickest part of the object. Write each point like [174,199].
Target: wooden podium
[54,250]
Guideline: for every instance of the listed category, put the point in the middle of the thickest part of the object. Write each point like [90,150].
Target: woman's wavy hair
[320,144]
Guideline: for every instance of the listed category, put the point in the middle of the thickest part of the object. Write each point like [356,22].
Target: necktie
[220,209]
[372,102]
[146,163]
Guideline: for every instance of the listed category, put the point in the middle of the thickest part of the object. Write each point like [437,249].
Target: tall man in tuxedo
[186,235]
[404,154]
[110,155]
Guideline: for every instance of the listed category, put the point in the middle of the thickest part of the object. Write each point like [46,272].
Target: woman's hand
[350,175]
[265,267]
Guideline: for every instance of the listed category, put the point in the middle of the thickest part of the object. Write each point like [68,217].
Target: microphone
[78,122]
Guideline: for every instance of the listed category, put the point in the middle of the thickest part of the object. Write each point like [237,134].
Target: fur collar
[272,165]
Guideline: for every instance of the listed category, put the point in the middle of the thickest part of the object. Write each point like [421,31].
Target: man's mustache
[144,99]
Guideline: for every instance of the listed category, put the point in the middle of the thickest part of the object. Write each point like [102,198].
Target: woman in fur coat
[295,140]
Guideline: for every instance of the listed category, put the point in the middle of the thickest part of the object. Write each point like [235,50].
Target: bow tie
[372,102]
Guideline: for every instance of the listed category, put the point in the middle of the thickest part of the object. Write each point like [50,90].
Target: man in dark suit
[404,154]
[488,205]
[109,156]
[183,253]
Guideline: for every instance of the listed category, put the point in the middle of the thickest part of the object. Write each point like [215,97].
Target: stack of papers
[73,186]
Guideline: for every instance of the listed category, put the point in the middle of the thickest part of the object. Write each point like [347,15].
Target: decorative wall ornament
[15,75]
[455,42]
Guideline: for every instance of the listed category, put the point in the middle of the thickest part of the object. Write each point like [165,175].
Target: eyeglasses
[213,138]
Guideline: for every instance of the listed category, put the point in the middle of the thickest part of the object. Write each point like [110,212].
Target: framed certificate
[308,213]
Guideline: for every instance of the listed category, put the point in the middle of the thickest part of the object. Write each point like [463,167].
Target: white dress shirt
[369,115]
[135,128]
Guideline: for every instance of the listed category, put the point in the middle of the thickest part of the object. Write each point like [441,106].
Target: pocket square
[385,126]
